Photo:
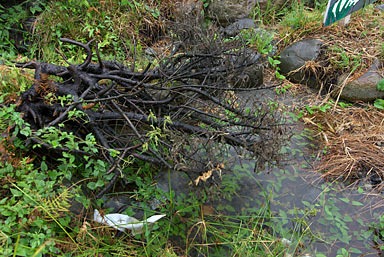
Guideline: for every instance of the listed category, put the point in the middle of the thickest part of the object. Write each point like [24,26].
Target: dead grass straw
[353,139]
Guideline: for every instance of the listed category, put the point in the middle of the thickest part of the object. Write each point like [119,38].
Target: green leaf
[345,200]
[348,218]
[52,174]
[16,192]
[26,131]
[354,250]
[92,185]
[380,85]
[35,8]
[379,103]
[366,234]
[126,2]
[99,183]
[344,105]
[283,215]
[279,76]
[85,3]
[356,203]
[309,109]
[275,62]
[43,166]
[229,208]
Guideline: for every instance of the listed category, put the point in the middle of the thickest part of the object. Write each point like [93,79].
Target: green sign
[338,9]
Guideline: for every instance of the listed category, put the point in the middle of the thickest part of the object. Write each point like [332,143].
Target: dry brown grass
[354,139]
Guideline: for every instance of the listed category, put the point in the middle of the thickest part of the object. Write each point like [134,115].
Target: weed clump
[122,28]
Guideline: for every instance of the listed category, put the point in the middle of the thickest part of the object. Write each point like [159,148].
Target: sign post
[338,9]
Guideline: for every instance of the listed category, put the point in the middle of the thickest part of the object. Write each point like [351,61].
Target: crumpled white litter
[122,222]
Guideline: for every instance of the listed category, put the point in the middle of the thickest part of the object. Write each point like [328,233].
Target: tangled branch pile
[161,115]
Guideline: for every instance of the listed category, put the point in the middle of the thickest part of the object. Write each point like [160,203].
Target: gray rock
[76,207]
[189,10]
[117,203]
[226,12]
[252,76]
[235,28]
[176,181]
[363,88]
[229,11]
[295,56]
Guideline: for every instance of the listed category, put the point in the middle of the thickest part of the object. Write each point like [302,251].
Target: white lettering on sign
[343,4]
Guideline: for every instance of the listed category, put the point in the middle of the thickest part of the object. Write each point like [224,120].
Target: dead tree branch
[187,97]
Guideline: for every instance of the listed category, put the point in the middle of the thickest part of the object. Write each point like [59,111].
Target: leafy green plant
[342,253]
[379,103]
[380,85]
[322,108]
[33,205]
[23,186]
[346,61]
[203,11]
[57,205]
[344,105]
[377,229]
[206,3]
[13,81]
[260,39]
[18,209]
[274,63]
[284,88]
[11,28]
